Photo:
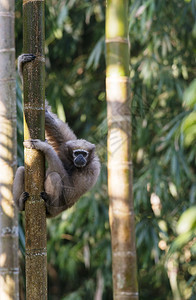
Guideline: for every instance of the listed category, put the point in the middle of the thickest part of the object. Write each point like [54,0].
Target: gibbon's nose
[80,161]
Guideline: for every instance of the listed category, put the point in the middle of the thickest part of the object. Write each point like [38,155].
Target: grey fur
[66,181]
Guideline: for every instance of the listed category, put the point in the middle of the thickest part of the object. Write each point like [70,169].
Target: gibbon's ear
[92,147]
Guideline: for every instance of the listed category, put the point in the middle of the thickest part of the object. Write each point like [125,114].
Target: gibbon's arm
[57,132]
[54,163]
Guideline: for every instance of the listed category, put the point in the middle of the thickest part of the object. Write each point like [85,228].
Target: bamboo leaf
[181,241]
[62,16]
[95,55]
[189,128]
[187,221]
[190,95]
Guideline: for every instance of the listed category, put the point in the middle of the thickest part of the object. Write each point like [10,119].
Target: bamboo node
[119,119]
[9,271]
[36,252]
[13,231]
[7,49]
[10,79]
[31,107]
[120,212]
[27,1]
[117,39]
[117,79]
[120,165]
[124,253]
[7,14]
[135,295]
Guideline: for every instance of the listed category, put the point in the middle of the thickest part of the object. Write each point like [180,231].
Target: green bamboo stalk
[34,120]
[9,271]
[121,212]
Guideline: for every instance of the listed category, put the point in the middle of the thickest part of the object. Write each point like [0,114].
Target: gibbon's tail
[57,132]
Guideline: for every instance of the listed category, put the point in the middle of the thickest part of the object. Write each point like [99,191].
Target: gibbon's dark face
[80,157]
[80,152]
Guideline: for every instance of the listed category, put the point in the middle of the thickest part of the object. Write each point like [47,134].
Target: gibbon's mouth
[80,161]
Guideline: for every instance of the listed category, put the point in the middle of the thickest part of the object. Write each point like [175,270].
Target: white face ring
[80,150]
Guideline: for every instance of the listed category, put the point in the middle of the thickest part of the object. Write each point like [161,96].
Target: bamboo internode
[9,270]
[121,211]
[34,120]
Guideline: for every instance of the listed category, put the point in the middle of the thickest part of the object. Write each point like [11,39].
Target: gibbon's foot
[25,196]
[44,196]
[26,57]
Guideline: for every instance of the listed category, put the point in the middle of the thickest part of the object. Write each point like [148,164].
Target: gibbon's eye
[84,153]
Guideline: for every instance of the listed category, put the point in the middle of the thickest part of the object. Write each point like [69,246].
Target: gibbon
[73,166]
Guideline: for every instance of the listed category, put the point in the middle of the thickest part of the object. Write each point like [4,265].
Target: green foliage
[189,123]
[162,37]
[184,244]
[164,186]
[187,220]
[186,228]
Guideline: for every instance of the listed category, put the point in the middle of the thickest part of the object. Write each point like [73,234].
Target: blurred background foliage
[163,47]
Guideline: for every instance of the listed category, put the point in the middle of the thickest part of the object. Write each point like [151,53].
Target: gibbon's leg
[20,196]
[55,177]
[53,194]
[54,162]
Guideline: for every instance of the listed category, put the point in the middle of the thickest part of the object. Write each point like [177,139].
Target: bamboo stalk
[121,212]
[9,271]
[34,120]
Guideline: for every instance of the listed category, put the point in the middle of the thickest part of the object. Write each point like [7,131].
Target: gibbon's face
[81,152]
[80,157]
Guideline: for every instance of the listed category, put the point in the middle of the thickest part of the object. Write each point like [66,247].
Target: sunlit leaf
[189,129]
[190,95]
[187,220]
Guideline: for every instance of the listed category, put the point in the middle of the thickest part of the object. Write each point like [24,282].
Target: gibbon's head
[81,152]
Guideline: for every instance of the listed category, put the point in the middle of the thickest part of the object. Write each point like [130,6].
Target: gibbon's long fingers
[36,144]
